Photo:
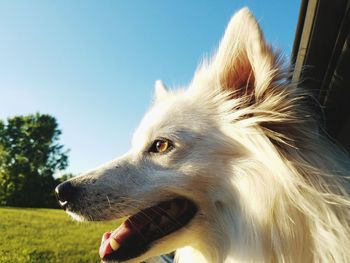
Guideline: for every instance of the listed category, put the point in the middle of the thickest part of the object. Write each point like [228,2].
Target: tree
[30,154]
[64,177]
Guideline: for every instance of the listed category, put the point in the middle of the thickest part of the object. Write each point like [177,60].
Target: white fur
[268,185]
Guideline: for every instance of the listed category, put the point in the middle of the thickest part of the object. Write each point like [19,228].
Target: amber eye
[161,146]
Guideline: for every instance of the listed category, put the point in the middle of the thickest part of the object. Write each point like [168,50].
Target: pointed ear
[244,63]
[160,90]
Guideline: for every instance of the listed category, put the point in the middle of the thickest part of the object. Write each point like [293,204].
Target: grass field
[48,235]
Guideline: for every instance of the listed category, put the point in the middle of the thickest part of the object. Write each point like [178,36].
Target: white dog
[233,169]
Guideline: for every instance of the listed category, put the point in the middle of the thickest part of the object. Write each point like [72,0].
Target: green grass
[48,235]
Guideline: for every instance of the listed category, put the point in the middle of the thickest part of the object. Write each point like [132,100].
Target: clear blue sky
[92,64]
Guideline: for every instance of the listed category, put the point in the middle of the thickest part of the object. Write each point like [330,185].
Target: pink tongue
[118,235]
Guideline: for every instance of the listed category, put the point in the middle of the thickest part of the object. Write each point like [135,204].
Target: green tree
[30,154]
[65,177]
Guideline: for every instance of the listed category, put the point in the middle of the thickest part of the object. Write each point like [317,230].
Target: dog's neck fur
[306,220]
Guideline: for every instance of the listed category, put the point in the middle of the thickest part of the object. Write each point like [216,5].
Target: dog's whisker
[108,201]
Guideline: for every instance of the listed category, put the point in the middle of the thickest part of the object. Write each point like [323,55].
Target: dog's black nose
[65,193]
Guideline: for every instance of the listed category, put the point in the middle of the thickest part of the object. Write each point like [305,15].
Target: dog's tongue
[133,226]
[112,240]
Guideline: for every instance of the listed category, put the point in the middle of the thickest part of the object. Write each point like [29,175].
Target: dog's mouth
[137,234]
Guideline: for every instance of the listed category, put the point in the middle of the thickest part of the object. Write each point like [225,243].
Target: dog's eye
[161,146]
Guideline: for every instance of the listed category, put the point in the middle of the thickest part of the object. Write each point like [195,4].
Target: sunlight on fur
[246,149]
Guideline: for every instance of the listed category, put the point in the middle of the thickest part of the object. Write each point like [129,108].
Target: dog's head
[183,174]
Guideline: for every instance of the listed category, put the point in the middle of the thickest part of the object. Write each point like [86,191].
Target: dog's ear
[160,90]
[244,63]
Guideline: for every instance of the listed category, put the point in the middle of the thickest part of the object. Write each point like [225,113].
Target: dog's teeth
[114,244]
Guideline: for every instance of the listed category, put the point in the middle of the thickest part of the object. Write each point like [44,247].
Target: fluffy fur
[270,187]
